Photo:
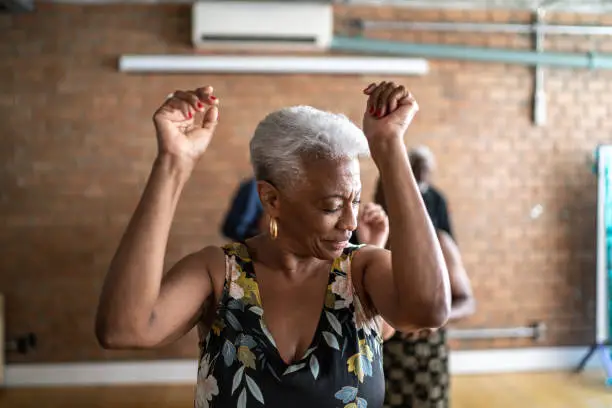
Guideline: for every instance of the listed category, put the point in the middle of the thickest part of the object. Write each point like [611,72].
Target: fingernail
[378,112]
[200,106]
[189,115]
[212,97]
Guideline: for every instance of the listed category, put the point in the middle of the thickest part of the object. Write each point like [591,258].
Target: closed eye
[334,210]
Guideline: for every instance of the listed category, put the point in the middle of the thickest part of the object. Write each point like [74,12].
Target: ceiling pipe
[459,52]
[370,25]
[539,93]
[583,6]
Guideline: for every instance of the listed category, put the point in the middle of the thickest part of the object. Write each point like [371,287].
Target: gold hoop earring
[273,228]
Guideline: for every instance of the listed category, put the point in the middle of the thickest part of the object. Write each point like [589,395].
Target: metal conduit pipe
[522,57]
[481,27]
[535,331]
[539,94]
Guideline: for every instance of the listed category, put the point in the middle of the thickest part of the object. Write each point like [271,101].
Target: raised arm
[140,307]
[408,286]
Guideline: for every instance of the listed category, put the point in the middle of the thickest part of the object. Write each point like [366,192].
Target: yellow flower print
[238,250]
[246,357]
[330,298]
[365,350]
[354,366]
[361,363]
[217,326]
[341,263]
[249,286]
[243,253]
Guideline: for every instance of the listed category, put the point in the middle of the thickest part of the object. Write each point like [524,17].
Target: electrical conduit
[588,60]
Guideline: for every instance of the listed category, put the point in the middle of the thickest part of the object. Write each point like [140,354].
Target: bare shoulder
[368,258]
[208,258]
[206,264]
[214,259]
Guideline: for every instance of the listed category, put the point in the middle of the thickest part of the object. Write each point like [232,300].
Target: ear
[270,198]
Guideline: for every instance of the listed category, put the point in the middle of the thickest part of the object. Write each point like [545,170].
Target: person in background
[423,164]
[245,218]
[416,363]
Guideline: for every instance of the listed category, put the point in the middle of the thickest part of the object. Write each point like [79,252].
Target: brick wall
[77,145]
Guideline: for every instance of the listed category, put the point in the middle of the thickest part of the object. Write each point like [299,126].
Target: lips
[338,245]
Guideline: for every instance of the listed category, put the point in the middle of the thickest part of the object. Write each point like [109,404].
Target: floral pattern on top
[240,365]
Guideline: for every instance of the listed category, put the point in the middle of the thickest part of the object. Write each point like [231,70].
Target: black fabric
[438,210]
[241,367]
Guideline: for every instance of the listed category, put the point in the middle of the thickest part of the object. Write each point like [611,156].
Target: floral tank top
[240,366]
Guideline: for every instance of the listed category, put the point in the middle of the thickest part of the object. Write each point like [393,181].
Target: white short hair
[286,137]
[424,153]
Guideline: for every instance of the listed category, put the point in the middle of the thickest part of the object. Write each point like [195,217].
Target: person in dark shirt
[416,364]
[423,163]
[245,215]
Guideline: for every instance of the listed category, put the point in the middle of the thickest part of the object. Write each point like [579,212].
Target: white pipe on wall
[229,64]
[506,28]
[602,322]
[540,99]
[535,331]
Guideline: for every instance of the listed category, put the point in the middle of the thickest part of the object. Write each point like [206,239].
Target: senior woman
[292,317]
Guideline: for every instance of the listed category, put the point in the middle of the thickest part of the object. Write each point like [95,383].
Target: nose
[348,221]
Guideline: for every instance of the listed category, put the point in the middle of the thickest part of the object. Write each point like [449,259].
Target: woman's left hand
[373,225]
[389,111]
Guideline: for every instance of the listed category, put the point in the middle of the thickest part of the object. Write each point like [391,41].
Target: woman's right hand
[185,124]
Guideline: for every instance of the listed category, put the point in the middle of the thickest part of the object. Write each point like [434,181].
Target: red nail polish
[212,97]
[200,105]
[189,115]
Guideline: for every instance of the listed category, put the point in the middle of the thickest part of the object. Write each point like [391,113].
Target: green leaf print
[237,379]
[267,332]
[314,366]
[294,368]
[331,340]
[233,321]
[229,353]
[235,304]
[273,372]
[309,352]
[242,399]
[254,388]
[333,321]
[257,310]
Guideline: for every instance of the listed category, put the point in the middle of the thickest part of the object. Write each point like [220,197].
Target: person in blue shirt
[245,215]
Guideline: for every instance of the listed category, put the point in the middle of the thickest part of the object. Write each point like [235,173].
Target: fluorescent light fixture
[225,64]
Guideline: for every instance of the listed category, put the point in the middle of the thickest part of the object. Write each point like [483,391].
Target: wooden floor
[548,390]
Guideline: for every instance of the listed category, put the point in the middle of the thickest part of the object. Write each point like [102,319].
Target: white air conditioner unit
[262,25]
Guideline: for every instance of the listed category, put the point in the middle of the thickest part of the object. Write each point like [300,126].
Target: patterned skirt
[416,371]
